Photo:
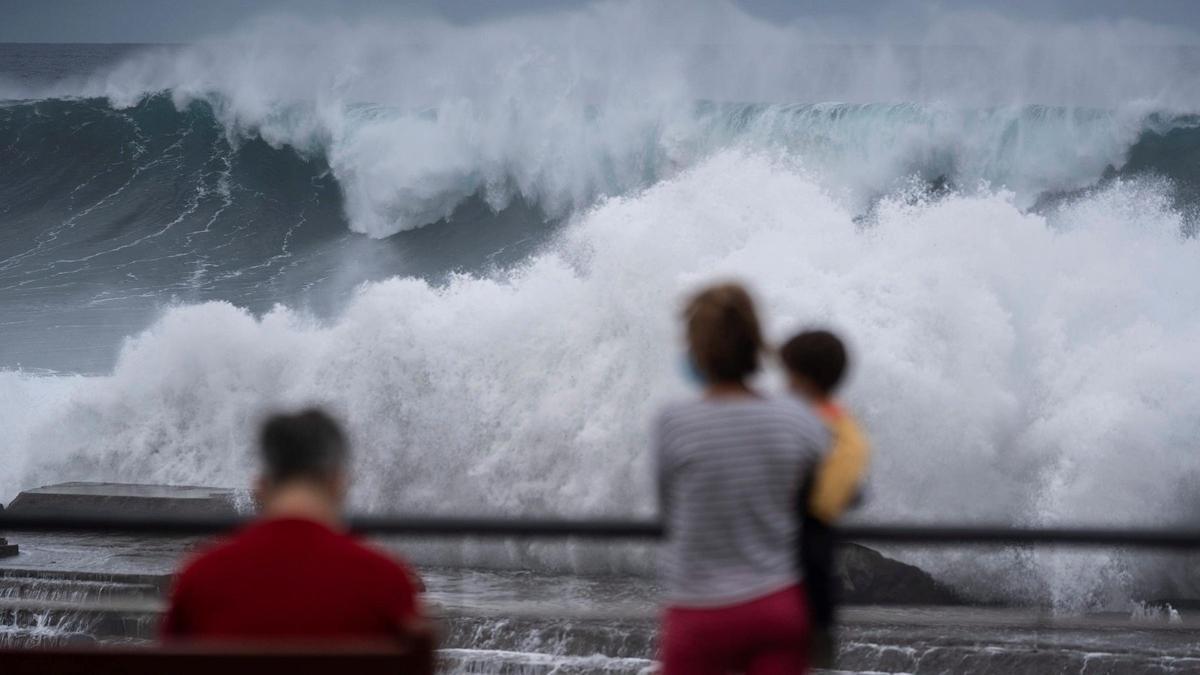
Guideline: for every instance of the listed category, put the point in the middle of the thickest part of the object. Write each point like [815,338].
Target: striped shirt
[729,473]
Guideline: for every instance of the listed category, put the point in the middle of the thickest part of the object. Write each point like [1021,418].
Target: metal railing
[924,535]
[631,530]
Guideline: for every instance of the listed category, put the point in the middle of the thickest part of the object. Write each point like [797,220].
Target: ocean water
[470,242]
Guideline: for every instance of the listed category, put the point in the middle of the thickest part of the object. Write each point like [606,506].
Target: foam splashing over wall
[1012,366]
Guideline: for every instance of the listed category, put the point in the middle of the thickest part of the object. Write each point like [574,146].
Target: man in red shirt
[294,575]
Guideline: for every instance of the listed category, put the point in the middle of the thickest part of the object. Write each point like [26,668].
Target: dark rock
[870,578]
[125,499]
[7,550]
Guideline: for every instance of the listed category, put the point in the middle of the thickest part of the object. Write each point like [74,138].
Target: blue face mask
[691,373]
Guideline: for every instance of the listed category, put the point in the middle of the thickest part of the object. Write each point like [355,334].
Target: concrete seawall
[126,499]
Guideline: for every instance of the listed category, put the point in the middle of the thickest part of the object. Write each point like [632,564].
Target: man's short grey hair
[305,445]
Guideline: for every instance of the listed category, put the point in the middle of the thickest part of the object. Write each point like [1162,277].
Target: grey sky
[186,20]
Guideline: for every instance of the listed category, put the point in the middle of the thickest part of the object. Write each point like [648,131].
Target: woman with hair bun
[730,465]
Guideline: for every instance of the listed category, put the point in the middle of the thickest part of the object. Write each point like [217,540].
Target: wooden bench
[220,659]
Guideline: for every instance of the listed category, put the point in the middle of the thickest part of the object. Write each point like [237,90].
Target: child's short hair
[818,356]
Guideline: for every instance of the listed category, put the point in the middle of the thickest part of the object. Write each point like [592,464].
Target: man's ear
[262,487]
[341,485]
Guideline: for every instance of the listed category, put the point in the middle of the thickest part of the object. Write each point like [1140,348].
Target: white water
[1011,367]
[483,661]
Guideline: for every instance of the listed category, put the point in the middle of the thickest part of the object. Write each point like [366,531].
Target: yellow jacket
[840,474]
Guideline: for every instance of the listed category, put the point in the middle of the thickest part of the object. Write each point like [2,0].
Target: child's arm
[839,476]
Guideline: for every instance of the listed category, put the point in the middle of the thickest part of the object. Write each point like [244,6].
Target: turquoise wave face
[110,214]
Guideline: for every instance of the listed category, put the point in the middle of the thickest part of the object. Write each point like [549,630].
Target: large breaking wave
[1011,248]
[400,170]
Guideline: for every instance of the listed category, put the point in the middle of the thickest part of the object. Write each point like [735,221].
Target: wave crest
[399,170]
[415,116]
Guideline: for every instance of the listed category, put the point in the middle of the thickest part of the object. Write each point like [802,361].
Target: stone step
[80,586]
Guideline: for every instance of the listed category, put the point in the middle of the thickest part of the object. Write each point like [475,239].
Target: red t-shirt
[291,578]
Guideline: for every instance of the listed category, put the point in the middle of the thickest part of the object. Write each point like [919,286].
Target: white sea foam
[1011,367]
[486,661]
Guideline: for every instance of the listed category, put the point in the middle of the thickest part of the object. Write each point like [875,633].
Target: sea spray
[985,338]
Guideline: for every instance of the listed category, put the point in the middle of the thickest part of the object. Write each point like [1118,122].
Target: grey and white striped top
[729,473]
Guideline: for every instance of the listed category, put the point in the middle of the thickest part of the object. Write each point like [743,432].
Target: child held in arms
[816,362]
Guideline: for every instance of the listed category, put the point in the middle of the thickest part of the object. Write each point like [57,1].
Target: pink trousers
[765,636]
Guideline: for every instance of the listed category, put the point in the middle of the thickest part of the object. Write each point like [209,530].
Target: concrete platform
[128,499]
